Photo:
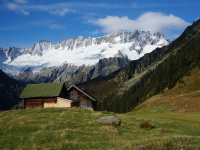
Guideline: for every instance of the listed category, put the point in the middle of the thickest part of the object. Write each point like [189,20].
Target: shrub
[146,125]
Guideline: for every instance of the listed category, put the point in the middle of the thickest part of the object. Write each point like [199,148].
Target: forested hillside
[9,91]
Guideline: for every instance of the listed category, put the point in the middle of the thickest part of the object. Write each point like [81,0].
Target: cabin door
[83,104]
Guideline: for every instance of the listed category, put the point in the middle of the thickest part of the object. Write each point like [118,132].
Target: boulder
[172,109]
[109,120]
[183,110]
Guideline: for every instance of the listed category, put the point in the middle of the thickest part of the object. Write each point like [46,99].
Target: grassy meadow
[75,128]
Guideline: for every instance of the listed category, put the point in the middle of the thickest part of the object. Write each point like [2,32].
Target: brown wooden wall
[30,103]
[80,95]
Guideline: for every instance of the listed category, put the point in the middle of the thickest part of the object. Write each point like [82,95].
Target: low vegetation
[75,128]
[146,125]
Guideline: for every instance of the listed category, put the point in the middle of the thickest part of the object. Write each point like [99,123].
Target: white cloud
[134,5]
[61,9]
[12,6]
[17,8]
[56,26]
[24,12]
[150,21]
[95,32]
[48,23]
[60,12]
[21,1]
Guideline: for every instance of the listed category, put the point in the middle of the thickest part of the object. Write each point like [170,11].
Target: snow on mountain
[131,45]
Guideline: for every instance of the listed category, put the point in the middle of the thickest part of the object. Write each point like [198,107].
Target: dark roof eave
[40,96]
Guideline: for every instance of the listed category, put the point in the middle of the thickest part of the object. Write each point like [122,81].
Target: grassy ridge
[74,128]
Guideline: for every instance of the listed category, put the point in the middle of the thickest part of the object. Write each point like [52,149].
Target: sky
[26,22]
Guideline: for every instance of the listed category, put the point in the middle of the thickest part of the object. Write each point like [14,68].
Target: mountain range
[119,83]
[80,58]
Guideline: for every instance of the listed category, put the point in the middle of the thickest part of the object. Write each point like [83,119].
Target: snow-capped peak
[131,44]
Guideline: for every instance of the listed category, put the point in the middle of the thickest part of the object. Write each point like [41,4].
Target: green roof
[42,90]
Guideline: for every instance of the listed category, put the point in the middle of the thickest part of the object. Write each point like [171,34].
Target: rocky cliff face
[73,74]
[103,68]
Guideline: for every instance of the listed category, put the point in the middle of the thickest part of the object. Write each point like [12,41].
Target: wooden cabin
[56,95]
[85,100]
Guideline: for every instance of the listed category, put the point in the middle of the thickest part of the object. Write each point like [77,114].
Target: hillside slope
[75,128]
[183,97]
[9,91]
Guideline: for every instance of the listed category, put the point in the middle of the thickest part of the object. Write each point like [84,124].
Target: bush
[146,125]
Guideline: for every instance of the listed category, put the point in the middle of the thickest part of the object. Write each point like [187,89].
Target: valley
[161,88]
[102,75]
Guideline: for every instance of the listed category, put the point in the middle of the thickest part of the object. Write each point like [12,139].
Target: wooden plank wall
[31,103]
[85,97]
[81,96]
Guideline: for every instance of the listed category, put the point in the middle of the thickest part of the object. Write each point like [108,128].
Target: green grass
[75,128]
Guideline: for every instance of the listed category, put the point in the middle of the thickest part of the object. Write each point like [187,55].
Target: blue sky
[26,22]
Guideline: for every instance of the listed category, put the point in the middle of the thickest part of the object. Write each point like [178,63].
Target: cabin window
[74,95]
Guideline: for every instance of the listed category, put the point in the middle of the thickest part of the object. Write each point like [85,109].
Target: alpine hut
[56,95]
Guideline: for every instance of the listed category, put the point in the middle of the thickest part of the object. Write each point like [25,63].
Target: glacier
[76,52]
